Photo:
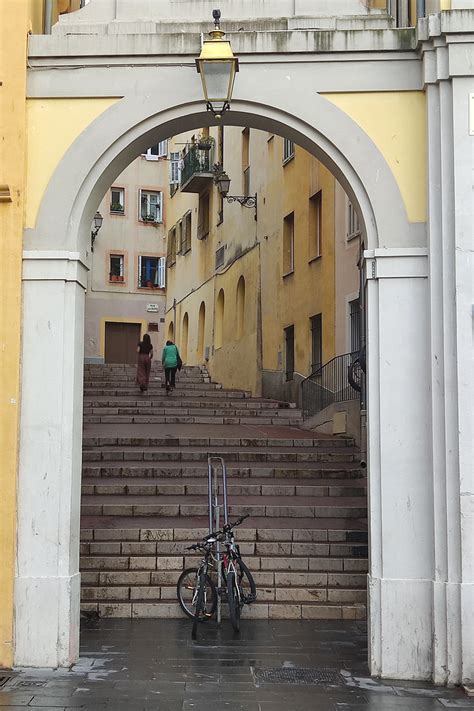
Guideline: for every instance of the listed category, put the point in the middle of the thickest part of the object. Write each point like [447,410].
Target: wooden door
[121,341]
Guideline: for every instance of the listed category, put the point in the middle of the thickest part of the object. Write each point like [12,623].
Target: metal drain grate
[297,675]
[30,683]
[3,680]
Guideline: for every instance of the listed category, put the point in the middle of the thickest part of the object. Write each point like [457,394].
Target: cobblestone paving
[140,665]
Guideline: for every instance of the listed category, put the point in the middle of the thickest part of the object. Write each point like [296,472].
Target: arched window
[219,325]
[201,330]
[184,338]
[240,309]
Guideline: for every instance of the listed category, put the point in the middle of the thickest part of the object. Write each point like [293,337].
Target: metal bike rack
[215,467]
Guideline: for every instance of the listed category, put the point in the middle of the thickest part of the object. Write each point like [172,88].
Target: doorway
[121,342]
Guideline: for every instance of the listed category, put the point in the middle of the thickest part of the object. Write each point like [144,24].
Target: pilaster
[47,584]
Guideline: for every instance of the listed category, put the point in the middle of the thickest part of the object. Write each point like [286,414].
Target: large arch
[55,264]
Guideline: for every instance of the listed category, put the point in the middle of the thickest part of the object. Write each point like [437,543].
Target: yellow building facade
[236,284]
[17,20]
[370,123]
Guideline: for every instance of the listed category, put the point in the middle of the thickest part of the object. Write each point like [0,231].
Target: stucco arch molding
[124,130]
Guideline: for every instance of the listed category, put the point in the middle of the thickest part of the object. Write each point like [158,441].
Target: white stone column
[47,585]
[399,464]
[451,229]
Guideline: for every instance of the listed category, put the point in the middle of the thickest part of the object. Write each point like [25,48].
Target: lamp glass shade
[223,184]
[98,220]
[217,67]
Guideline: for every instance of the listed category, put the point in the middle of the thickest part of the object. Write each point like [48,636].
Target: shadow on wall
[275,386]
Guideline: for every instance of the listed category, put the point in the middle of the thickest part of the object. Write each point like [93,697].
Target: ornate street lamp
[222,180]
[217,66]
[98,220]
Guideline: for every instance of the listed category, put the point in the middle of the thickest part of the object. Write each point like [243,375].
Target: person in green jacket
[171,362]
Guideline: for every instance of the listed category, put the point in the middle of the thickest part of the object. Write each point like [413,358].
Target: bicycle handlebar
[217,535]
[226,528]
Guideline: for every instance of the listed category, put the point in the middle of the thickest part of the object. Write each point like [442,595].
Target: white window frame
[160,271]
[175,168]
[314,242]
[159,203]
[121,201]
[161,148]
[353,225]
[121,257]
[288,150]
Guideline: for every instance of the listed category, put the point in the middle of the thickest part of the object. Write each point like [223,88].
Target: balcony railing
[328,385]
[196,163]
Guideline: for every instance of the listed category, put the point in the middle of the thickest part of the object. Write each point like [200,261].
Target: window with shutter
[171,247]
[289,352]
[116,267]
[159,150]
[203,216]
[353,226]
[288,150]
[315,225]
[117,201]
[149,275]
[150,206]
[175,170]
[289,244]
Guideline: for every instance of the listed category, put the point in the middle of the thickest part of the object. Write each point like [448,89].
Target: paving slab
[140,665]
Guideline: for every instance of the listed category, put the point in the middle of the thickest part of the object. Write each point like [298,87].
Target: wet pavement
[140,665]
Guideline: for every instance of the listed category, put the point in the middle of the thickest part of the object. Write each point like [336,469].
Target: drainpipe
[48,17]
[421,8]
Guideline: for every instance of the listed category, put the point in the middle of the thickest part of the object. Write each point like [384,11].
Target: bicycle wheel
[233,601]
[246,583]
[187,591]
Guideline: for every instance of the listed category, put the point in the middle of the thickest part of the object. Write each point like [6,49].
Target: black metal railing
[196,161]
[328,384]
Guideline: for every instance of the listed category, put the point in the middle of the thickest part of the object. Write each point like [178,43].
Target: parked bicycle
[197,591]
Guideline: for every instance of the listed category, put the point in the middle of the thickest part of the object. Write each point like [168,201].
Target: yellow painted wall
[309,290]
[52,126]
[254,250]
[14,25]
[17,18]
[396,122]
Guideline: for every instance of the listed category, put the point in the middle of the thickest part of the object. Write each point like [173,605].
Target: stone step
[189,409]
[174,470]
[235,454]
[258,610]
[155,391]
[125,593]
[155,386]
[145,498]
[147,486]
[187,401]
[278,419]
[193,528]
[264,506]
[303,442]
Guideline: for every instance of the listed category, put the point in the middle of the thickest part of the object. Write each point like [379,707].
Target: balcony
[196,171]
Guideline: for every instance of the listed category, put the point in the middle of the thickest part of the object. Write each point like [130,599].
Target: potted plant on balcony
[116,207]
[148,218]
[205,143]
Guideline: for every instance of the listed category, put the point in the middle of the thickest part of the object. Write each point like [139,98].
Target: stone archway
[55,264]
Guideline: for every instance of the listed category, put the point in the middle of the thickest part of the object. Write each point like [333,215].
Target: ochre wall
[14,25]
[396,122]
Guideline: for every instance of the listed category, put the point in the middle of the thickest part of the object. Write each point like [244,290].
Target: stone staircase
[144,498]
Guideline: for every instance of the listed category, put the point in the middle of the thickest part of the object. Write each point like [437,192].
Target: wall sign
[153,308]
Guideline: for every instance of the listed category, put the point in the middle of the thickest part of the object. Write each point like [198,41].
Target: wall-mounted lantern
[98,220]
